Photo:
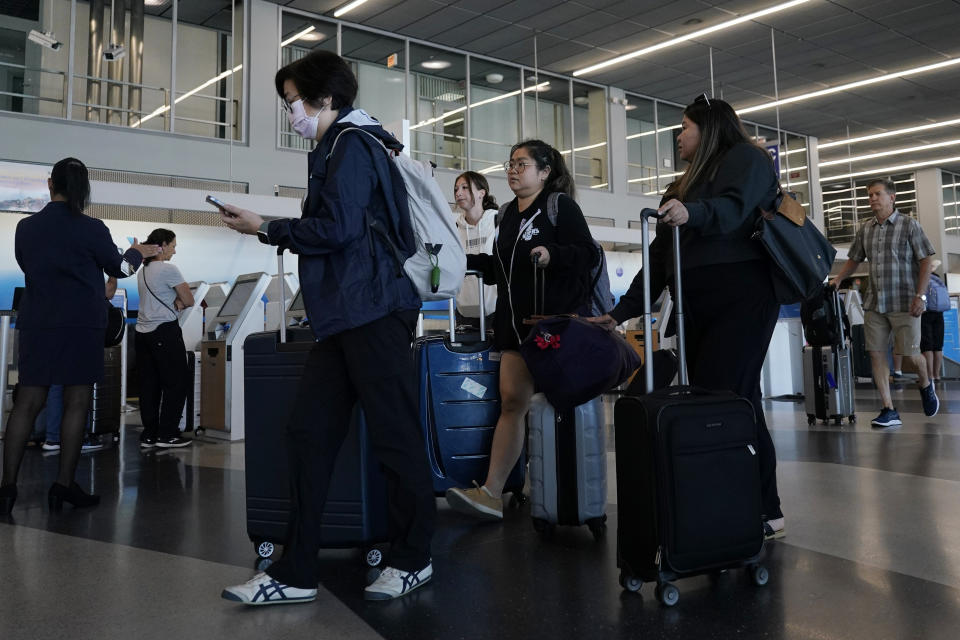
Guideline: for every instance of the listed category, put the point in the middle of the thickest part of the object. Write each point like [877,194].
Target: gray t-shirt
[161,277]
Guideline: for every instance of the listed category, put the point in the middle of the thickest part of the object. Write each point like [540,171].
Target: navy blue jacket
[348,273]
[63,256]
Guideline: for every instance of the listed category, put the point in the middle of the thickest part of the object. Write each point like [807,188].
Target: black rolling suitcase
[355,514]
[688,475]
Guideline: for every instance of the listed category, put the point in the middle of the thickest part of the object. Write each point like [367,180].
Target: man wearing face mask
[363,312]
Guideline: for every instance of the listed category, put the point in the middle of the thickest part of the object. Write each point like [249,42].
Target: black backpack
[822,317]
[116,325]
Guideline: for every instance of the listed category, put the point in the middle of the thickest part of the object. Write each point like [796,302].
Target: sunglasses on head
[702,99]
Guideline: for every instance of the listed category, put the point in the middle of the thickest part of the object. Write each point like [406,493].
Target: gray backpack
[601,299]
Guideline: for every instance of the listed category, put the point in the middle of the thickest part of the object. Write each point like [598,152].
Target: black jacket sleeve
[574,251]
[484,263]
[742,182]
[631,303]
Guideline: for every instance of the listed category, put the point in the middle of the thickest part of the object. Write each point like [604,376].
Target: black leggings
[730,314]
[29,402]
[162,364]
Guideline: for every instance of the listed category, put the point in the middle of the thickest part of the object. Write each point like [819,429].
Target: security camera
[114,52]
[45,39]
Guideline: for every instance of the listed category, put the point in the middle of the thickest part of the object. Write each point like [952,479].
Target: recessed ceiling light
[581,100]
[435,64]
[693,21]
[155,3]
[630,107]
[313,36]
[494,78]
[689,36]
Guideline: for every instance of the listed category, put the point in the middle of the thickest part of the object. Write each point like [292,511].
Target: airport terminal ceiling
[819,44]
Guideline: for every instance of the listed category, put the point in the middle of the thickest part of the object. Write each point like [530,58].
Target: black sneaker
[174,442]
[148,443]
[887,418]
[931,403]
[91,443]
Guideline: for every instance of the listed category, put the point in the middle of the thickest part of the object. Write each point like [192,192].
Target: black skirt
[66,356]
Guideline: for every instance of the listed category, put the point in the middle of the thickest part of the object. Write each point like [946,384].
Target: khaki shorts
[905,328]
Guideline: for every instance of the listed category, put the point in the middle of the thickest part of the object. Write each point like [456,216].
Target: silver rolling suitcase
[828,379]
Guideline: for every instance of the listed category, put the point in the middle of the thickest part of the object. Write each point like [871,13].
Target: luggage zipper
[656,559]
[717,447]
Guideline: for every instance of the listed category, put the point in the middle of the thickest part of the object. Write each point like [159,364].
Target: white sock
[898,373]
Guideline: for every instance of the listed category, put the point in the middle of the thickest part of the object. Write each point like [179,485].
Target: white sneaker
[262,589]
[394,583]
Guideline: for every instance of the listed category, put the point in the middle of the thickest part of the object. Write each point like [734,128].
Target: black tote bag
[800,255]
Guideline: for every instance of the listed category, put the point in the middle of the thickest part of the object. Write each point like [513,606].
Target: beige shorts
[905,328]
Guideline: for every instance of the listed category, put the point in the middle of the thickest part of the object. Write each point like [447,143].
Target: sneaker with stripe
[394,583]
[262,589]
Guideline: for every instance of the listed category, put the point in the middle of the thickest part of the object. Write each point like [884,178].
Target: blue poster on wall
[774,151]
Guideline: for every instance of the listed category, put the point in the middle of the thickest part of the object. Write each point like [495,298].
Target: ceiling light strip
[851,85]
[887,170]
[347,8]
[537,87]
[690,36]
[164,109]
[887,134]
[297,36]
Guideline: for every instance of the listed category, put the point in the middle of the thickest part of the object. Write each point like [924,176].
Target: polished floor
[872,551]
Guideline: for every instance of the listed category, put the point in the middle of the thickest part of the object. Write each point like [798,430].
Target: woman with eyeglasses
[363,312]
[729,304]
[564,253]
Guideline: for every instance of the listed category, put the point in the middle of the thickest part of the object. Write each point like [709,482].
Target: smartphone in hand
[219,205]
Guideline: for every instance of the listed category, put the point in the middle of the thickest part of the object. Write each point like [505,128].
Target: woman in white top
[161,354]
[478,212]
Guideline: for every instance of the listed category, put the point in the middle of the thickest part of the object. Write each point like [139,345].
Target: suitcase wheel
[852,419]
[630,582]
[811,419]
[598,527]
[373,558]
[759,575]
[517,498]
[265,549]
[667,594]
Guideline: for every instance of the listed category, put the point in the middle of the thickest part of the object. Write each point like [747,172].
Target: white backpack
[438,267]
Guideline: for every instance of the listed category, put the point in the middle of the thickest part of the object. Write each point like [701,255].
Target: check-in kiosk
[275,301]
[297,311]
[215,298]
[221,360]
[191,318]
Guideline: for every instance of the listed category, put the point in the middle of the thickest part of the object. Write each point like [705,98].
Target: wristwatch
[922,296]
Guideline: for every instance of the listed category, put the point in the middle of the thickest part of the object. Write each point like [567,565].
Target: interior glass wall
[298,37]
[379,63]
[438,91]
[495,91]
[590,154]
[951,202]
[547,109]
[846,206]
[641,146]
[668,162]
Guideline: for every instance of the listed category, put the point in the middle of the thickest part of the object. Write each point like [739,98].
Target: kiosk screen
[238,297]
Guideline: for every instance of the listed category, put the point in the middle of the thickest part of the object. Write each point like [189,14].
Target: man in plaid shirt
[900,257]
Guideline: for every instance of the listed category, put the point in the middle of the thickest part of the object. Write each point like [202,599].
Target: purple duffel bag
[573,361]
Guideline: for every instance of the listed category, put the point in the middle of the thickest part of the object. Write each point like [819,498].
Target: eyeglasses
[286,105]
[510,165]
[702,99]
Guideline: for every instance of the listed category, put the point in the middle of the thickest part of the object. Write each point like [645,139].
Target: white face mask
[303,124]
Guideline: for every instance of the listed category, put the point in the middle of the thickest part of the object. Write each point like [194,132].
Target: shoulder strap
[500,213]
[552,208]
[147,285]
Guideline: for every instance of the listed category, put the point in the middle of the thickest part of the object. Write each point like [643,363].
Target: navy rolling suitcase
[459,397]
[688,475]
[355,514]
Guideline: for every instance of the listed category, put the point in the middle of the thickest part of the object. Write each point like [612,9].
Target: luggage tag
[473,387]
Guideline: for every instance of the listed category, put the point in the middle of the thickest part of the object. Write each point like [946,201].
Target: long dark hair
[159,237]
[545,156]
[477,181]
[720,129]
[70,180]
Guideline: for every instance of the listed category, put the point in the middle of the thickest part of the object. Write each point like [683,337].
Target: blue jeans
[53,414]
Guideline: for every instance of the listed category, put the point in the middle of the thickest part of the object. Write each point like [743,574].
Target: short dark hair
[320,74]
[477,181]
[71,180]
[559,179]
[888,185]
[158,237]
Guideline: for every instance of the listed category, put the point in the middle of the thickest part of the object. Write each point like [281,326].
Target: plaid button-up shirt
[894,249]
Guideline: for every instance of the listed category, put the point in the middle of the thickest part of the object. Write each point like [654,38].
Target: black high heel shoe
[73,494]
[8,495]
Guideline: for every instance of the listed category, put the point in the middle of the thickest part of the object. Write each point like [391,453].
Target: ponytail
[159,237]
[70,180]
[559,179]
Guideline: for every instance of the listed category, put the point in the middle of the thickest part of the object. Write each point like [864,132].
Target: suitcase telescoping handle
[677,295]
[283,296]
[483,310]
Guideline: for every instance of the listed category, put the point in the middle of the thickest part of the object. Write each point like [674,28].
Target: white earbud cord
[513,254]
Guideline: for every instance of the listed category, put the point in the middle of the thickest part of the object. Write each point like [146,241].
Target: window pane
[209,72]
[547,109]
[379,64]
[437,84]
[671,166]
[793,164]
[590,136]
[298,37]
[641,146]
[494,113]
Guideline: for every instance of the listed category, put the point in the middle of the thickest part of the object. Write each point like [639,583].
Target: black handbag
[800,255]
[116,325]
